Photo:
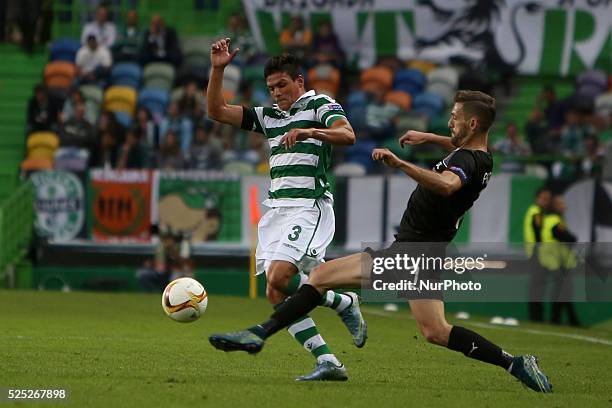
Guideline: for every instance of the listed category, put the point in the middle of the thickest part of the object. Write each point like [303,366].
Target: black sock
[473,345]
[299,304]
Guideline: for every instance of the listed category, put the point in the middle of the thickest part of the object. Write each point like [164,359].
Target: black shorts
[413,269]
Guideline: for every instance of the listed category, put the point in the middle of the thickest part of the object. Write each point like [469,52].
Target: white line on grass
[579,337]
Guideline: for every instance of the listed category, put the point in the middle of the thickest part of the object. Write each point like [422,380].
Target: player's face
[458,126]
[544,199]
[558,204]
[285,90]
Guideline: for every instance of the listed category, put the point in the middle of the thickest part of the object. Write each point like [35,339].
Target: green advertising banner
[205,206]
[552,37]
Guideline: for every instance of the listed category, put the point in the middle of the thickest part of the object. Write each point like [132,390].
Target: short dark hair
[479,104]
[543,189]
[285,63]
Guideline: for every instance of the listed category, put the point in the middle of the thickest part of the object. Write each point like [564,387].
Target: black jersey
[435,218]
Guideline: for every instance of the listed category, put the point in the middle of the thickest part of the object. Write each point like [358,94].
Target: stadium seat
[324,79]
[196,51]
[36,163]
[231,82]
[411,121]
[239,167]
[126,73]
[155,100]
[59,74]
[356,98]
[448,75]
[409,80]
[442,89]
[159,75]
[71,158]
[444,82]
[350,169]
[399,98]
[64,49]
[361,153]
[42,145]
[377,77]
[92,93]
[123,118]
[428,104]
[424,66]
[591,84]
[120,99]
[603,104]
[189,73]
[356,106]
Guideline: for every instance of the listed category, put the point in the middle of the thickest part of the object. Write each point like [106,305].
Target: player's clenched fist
[386,157]
[220,55]
[412,137]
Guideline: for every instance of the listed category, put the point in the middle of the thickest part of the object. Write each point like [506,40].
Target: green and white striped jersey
[299,174]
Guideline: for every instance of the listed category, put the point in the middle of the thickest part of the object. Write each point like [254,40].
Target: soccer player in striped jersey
[430,221]
[294,234]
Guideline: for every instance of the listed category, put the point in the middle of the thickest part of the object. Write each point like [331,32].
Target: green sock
[306,333]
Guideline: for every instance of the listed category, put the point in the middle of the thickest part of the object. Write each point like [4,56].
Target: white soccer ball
[184,300]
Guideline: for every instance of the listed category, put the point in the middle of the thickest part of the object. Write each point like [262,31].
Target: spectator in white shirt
[105,31]
[93,61]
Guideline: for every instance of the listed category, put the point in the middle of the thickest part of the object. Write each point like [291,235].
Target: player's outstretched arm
[414,137]
[218,108]
[340,133]
[445,183]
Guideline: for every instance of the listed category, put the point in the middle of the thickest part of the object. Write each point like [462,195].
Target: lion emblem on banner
[192,211]
[470,30]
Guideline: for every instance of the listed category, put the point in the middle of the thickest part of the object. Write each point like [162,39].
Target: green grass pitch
[120,350]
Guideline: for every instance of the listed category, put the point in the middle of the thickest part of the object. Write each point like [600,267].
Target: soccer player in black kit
[433,215]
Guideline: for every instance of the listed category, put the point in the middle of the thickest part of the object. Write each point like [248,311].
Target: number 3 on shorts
[296,233]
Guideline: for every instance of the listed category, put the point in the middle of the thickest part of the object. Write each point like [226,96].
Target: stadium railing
[16,222]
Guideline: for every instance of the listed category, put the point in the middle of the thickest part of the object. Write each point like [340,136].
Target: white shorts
[299,235]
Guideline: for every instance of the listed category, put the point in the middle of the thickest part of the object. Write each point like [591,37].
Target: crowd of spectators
[576,129]
[381,102]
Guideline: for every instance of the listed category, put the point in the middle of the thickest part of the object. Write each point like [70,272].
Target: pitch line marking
[578,337]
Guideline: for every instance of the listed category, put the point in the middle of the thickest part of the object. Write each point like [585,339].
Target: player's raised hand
[387,157]
[295,135]
[412,137]
[220,55]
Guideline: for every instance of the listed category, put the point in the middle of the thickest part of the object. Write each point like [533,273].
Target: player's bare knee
[317,278]
[434,333]
[278,277]
[274,296]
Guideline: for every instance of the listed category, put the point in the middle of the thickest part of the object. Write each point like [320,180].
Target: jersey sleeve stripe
[459,172]
[332,118]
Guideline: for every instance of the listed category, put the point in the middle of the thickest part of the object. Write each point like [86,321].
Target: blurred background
[112,178]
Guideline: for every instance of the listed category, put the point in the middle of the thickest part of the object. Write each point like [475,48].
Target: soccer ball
[184,300]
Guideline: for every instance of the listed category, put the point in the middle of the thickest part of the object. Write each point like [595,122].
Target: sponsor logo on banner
[59,205]
[120,205]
